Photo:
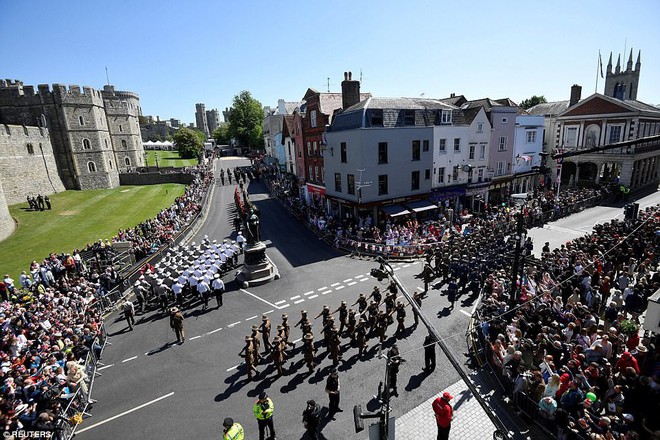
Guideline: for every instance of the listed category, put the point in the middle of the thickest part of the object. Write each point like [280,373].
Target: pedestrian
[218,288]
[47,200]
[263,412]
[443,415]
[231,430]
[429,353]
[332,388]
[311,418]
[129,313]
[176,322]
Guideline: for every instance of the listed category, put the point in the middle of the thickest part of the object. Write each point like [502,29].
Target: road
[152,389]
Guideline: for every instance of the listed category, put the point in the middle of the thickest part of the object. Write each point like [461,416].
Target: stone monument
[257,268]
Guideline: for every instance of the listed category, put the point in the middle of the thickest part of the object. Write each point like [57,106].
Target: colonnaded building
[56,138]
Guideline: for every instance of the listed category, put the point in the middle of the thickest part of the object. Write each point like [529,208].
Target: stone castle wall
[28,164]
[7,224]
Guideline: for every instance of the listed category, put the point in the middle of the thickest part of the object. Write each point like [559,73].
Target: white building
[527,149]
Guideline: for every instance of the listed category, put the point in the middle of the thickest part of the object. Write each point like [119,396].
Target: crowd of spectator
[49,322]
[570,341]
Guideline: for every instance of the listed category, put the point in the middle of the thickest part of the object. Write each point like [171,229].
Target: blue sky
[175,54]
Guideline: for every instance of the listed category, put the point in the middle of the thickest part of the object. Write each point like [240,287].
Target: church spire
[617,69]
[609,64]
[629,65]
[638,64]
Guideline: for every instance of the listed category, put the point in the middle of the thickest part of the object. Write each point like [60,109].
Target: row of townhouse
[358,155]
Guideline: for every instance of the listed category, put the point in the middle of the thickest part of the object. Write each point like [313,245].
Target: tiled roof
[465,116]
[548,108]
[401,104]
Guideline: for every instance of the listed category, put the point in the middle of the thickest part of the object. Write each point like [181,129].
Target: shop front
[315,196]
[476,197]
[448,196]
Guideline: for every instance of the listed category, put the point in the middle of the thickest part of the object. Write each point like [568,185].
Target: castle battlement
[12,89]
[22,131]
[10,83]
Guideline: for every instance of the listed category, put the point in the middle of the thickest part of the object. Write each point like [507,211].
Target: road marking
[415,262]
[125,412]
[397,268]
[405,265]
[196,337]
[346,281]
[129,359]
[294,297]
[218,329]
[326,292]
[420,288]
[252,317]
[299,301]
[106,366]
[260,299]
[229,326]
[364,279]
[284,306]
[359,276]
[308,293]
[280,302]
[270,311]
[335,284]
[313,296]
[322,288]
[297,340]
[352,282]
[234,367]
[466,313]
[339,287]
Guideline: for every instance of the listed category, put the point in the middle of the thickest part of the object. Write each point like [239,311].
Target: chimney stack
[576,94]
[350,91]
[453,95]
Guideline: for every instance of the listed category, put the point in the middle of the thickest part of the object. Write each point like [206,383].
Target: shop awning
[420,206]
[394,210]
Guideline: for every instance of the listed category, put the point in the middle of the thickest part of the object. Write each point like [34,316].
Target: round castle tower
[122,110]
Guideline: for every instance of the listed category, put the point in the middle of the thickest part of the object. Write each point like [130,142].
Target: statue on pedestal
[253,236]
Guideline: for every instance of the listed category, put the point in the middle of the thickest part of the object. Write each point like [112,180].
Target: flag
[600,64]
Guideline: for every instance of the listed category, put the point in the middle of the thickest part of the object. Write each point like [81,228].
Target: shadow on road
[416,380]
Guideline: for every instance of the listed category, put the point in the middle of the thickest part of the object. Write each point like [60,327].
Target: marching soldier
[390,301]
[278,355]
[428,277]
[265,332]
[310,351]
[393,288]
[343,314]
[335,345]
[382,323]
[352,322]
[376,295]
[303,318]
[395,361]
[417,297]
[248,353]
[256,344]
[361,303]
[361,336]
[373,316]
[400,317]
[325,313]
[287,331]
[327,332]
[307,327]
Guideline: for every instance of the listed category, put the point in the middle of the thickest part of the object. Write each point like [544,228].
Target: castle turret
[122,110]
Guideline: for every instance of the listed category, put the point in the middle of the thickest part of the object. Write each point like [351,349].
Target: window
[425,145]
[457,144]
[531,136]
[377,118]
[81,120]
[350,184]
[120,128]
[500,168]
[470,175]
[441,175]
[570,137]
[503,142]
[443,145]
[504,120]
[472,149]
[316,173]
[338,182]
[123,144]
[30,149]
[312,118]
[105,141]
[427,174]
[409,117]
[446,116]
[91,166]
[310,176]
[309,148]
[127,161]
[316,151]
[482,152]
[299,153]
[110,164]
[416,153]
[382,152]
[480,127]
[480,175]
[414,180]
[342,148]
[382,184]
[87,145]
[615,134]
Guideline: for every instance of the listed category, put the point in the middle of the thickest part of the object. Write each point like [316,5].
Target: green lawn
[78,218]
[168,159]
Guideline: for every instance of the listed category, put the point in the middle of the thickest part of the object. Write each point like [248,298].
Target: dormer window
[446,116]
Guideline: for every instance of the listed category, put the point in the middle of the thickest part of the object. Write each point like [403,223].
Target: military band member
[265,332]
[310,351]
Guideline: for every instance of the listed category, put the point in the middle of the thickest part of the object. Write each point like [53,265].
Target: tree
[531,102]
[188,143]
[246,121]
[221,134]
